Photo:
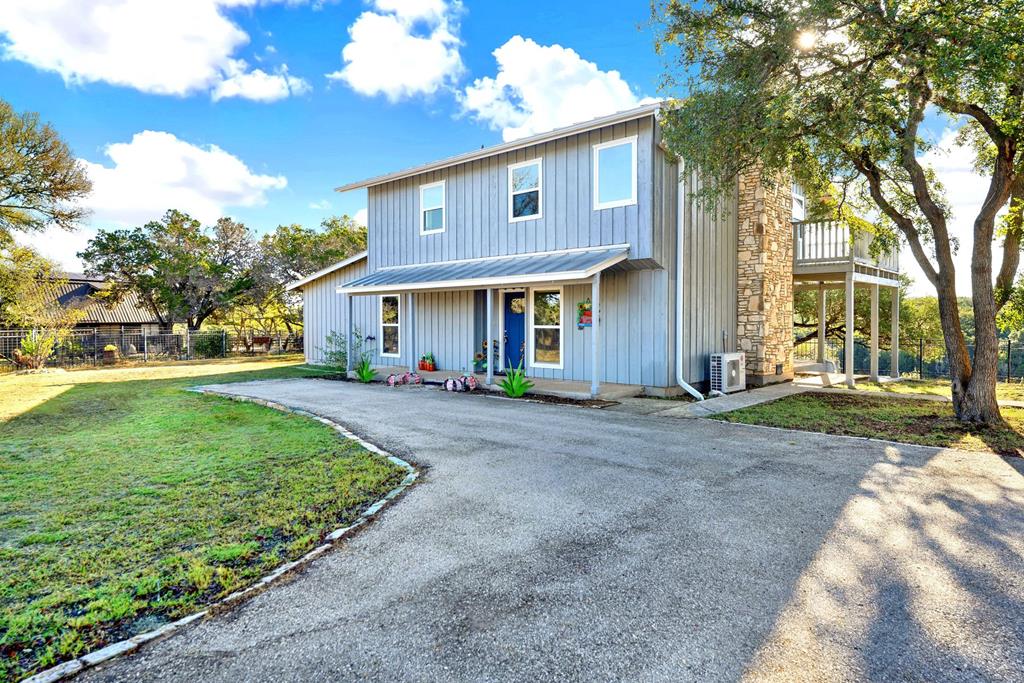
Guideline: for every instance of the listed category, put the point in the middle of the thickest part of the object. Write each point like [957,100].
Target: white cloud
[404,48]
[163,47]
[361,217]
[156,171]
[60,245]
[322,205]
[543,87]
[259,85]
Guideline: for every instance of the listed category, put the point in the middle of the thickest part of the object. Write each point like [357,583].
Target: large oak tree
[181,271]
[41,181]
[838,91]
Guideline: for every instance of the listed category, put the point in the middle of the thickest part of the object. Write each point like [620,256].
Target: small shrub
[515,383]
[36,349]
[208,345]
[336,351]
[365,371]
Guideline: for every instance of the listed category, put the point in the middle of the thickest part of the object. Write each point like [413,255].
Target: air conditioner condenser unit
[728,372]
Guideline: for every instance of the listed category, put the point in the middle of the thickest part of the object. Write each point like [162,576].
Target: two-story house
[578,253]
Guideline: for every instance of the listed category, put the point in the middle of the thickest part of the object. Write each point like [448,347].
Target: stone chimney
[764,311]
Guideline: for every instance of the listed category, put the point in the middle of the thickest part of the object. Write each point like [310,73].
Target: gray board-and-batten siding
[477,206]
[638,296]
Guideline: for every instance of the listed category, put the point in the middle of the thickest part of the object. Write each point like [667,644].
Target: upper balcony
[824,251]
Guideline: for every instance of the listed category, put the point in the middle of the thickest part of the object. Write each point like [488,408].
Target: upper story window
[799,203]
[432,218]
[524,191]
[615,173]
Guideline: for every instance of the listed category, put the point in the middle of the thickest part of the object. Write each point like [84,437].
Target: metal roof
[553,266]
[129,311]
[299,284]
[619,117]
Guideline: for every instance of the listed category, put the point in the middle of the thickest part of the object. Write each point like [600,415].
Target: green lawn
[1005,391]
[127,502]
[930,423]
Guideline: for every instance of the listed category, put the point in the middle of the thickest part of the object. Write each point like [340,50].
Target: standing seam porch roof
[566,265]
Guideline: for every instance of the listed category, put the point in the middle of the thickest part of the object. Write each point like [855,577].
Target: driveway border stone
[122,647]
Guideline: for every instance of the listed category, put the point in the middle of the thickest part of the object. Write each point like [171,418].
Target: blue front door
[515,329]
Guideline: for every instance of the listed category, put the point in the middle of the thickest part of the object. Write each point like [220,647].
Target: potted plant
[427,363]
[109,353]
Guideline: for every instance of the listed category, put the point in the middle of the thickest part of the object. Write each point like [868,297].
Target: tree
[838,91]
[293,252]
[41,182]
[180,271]
[289,253]
[30,287]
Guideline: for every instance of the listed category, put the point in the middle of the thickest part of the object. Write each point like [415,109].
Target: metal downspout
[680,213]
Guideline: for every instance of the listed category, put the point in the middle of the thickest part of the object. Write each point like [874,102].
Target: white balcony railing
[820,243]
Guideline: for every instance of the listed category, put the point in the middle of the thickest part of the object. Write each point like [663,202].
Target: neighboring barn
[129,316]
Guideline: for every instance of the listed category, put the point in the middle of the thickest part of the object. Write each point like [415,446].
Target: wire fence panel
[921,359]
[95,348]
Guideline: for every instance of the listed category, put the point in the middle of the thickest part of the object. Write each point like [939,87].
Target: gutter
[680,213]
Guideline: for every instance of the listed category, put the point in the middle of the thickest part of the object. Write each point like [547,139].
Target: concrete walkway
[560,543]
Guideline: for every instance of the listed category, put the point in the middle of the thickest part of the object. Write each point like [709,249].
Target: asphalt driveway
[560,543]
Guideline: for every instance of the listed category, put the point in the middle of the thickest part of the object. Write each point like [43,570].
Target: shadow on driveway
[561,543]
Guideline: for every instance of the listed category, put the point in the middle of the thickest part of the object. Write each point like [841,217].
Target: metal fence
[90,347]
[922,359]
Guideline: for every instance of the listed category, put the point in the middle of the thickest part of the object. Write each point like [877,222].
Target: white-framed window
[432,211]
[799,203]
[390,325]
[615,173]
[545,314]
[525,192]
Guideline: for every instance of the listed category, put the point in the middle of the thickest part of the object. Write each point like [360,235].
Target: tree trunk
[960,367]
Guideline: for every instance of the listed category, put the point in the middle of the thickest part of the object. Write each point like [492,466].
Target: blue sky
[202,73]
[256,109]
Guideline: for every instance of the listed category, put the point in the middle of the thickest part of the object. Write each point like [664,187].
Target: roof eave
[489,281]
[299,284]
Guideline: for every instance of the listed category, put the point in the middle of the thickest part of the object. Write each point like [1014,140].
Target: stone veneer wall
[764,313]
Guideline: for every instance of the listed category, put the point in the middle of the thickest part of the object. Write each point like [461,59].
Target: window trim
[381,325]
[444,207]
[532,326]
[539,162]
[598,205]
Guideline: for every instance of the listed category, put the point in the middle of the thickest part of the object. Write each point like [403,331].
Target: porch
[827,257]
[541,311]
[560,388]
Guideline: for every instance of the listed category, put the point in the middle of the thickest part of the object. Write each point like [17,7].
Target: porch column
[848,355]
[822,327]
[490,333]
[349,336]
[595,333]
[410,325]
[894,366]
[874,333]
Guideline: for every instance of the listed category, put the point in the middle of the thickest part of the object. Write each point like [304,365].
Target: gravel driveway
[561,543]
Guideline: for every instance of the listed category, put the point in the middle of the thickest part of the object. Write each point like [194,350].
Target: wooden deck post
[595,333]
[894,365]
[822,323]
[874,333]
[490,332]
[848,352]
